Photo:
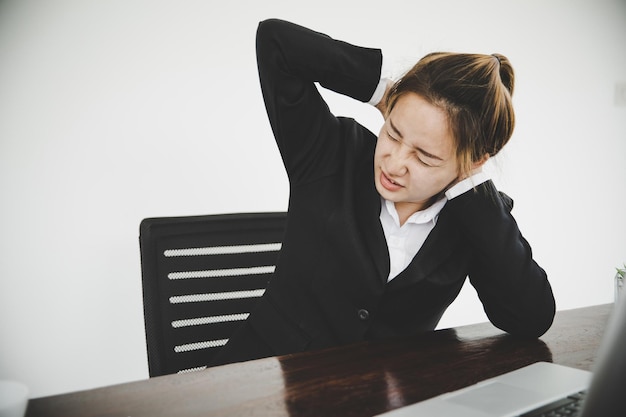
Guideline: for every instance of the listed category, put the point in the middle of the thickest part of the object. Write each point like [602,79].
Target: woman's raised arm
[291,59]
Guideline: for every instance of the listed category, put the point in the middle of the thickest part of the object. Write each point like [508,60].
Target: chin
[387,195]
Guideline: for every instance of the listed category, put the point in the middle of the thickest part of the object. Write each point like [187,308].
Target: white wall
[113,111]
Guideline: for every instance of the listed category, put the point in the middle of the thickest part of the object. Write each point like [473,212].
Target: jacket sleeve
[512,287]
[291,59]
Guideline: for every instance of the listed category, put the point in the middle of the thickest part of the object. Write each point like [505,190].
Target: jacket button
[363,314]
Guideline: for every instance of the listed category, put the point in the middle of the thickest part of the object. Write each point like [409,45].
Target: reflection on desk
[362,379]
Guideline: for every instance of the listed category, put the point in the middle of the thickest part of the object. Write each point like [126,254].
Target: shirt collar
[429,214]
[466,185]
[432,213]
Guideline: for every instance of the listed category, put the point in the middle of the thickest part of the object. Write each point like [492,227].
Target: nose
[397,160]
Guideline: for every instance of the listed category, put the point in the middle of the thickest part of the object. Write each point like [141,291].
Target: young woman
[383,231]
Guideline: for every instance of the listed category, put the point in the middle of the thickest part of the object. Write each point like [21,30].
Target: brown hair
[475,92]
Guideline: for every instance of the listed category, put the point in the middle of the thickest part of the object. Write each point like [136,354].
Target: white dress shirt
[403,242]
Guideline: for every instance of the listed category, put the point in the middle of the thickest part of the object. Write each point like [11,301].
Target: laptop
[542,386]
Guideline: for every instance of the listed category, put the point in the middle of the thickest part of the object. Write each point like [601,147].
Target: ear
[478,164]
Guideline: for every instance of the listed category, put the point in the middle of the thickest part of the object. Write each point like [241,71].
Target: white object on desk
[13,399]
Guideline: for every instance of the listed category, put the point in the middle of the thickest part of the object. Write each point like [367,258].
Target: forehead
[422,125]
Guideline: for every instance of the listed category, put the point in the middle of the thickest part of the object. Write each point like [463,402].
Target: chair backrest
[201,276]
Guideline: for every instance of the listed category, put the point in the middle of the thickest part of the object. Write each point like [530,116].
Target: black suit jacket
[330,286]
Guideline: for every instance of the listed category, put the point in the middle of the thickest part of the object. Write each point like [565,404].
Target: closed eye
[392,137]
[417,152]
[422,156]
[395,135]
[421,161]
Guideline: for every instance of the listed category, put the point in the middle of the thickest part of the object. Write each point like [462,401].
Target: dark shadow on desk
[372,377]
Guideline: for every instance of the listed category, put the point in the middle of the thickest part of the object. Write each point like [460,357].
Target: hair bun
[506,71]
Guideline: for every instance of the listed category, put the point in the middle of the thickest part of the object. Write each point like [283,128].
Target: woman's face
[415,156]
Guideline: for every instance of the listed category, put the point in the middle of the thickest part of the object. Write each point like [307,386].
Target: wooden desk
[357,380]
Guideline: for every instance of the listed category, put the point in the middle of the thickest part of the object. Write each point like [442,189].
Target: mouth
[389,184]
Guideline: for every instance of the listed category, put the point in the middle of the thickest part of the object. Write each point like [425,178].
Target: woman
[382,232]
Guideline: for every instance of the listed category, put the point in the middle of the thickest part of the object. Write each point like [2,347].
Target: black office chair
[201,276]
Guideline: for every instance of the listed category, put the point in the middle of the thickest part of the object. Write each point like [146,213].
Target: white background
[113,111]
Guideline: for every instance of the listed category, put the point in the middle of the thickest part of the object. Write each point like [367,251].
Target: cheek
[379,151]
[429,180]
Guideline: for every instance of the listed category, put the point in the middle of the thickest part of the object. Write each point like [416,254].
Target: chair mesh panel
[194,299]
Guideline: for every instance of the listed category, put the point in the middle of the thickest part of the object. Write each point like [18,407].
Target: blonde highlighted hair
[474,91]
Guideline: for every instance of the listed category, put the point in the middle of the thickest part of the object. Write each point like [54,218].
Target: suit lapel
[367,217]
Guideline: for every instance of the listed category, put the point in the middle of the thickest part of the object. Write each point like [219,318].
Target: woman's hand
[382,104]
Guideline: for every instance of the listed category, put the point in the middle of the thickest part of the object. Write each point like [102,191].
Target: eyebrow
[427,154]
